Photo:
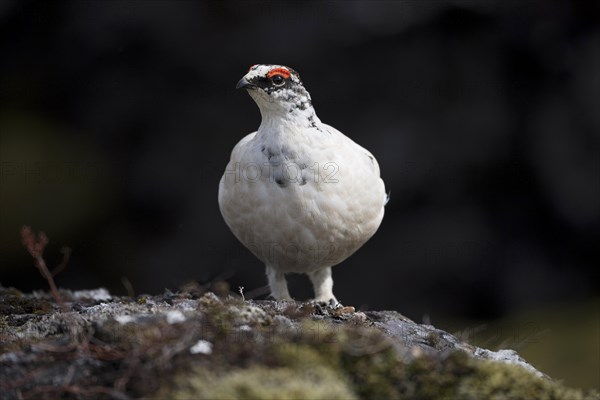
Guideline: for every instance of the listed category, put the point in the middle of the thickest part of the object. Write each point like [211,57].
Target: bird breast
[304,201]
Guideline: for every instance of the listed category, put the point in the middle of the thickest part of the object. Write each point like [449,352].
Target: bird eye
[278,80]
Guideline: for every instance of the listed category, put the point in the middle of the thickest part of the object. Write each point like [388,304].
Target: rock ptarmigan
[299,194]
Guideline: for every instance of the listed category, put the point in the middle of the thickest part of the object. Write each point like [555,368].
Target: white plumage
[298,193]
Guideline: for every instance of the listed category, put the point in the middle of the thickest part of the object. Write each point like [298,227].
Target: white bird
[299,194]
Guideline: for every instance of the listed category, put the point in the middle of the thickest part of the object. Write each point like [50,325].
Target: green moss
[14,303]
[310,368]
[300,356]
[373,375]
[263,383]
[456,376]
[496,381]
[280,360]
[433,339]
[373,369]
[328,359]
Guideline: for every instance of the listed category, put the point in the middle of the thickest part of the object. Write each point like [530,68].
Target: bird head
[275,88]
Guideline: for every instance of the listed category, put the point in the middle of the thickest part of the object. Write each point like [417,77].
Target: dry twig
[36,246]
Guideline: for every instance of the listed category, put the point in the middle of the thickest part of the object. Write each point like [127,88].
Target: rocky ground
[196,344]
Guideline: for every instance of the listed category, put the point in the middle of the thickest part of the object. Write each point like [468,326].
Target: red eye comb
[279,71]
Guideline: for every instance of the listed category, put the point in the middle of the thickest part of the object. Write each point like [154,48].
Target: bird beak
[243,83]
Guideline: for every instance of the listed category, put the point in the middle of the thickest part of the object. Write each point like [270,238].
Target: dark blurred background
[117,119]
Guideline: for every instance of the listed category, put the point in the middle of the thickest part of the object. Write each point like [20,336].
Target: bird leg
[323,286]
[278,284]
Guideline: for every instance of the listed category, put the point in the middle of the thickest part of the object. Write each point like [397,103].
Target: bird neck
[288,110]
[288,117]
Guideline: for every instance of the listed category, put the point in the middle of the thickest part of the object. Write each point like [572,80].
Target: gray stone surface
[97,338]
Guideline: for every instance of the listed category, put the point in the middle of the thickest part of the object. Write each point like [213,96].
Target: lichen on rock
[199,345]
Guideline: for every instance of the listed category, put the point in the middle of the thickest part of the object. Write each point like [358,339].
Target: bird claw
[331,303]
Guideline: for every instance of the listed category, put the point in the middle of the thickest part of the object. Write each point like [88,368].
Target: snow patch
[188,305]
[175,317]
[202,347]
[100,294]
[123,319]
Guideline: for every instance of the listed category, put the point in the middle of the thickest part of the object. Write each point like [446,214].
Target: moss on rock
[268,350]
[311,369]
[281,383]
